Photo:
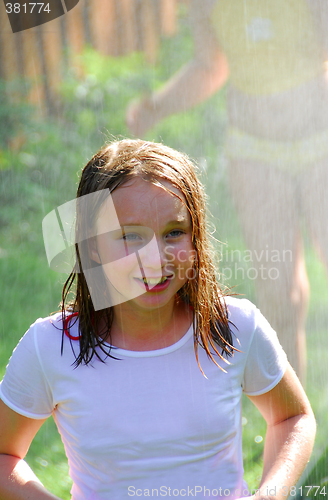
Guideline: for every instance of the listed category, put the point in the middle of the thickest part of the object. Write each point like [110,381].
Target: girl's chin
[150,300]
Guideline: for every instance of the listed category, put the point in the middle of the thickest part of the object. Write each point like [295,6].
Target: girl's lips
[154,288]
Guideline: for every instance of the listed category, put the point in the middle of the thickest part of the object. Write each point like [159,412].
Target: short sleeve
[266,360]
[24,387]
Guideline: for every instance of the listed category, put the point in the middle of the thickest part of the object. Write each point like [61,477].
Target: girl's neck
[140,331]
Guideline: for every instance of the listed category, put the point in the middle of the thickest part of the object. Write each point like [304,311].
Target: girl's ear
[93,252]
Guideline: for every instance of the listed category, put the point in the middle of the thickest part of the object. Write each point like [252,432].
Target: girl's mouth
[154,284]
[155,281]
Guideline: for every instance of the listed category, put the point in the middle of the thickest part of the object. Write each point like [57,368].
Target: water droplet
[42,461]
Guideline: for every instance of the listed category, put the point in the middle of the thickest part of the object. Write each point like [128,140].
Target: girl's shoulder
[242,313]
[254,332]
[247,323]
[36,367]
[56,322]
[46,334]
[51,321]
[50,325]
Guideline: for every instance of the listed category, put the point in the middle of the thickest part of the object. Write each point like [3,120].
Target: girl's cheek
[192,256]
[183,256]
[124,267]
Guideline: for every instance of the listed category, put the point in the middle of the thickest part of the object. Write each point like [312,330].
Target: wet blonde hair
[112,166]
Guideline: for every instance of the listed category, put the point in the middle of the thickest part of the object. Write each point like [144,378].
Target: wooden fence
[113,27]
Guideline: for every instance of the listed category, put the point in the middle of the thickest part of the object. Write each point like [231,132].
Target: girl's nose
[153,256]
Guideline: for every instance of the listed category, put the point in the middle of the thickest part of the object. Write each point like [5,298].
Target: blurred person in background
[274,55]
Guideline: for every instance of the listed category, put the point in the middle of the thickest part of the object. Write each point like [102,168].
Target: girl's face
[146,248]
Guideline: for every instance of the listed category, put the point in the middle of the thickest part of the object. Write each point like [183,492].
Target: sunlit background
[64,90]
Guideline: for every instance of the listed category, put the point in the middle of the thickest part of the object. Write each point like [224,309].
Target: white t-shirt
[149,424]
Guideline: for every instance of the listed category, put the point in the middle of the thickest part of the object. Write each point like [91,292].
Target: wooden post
[168,17]
[150,37]
[103,29]
[53,47]
[8,59]
[86,12]
[33,66]
[127,27]
[75,29]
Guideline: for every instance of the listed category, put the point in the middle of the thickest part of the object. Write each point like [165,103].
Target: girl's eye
[131,237]
[175,233]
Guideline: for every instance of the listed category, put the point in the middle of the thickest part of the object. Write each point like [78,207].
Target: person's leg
[266,203]
[314,195]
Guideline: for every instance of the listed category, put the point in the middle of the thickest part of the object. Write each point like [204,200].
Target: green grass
[43,175]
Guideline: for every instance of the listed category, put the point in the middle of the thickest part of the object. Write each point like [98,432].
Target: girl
[144,370]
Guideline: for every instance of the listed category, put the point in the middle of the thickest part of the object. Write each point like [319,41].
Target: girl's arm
[289,438]
[17,481]
[195,82]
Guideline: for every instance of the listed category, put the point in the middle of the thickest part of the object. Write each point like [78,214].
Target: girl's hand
[141,116]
